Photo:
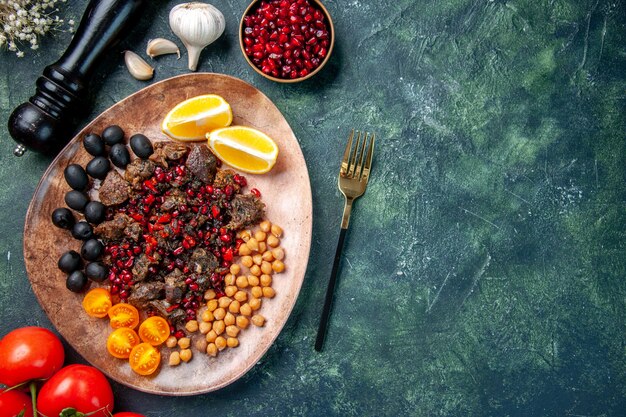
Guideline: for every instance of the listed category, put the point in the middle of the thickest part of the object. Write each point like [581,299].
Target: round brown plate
[286,191]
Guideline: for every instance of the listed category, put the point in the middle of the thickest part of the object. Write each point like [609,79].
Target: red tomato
[128,414]
[81,387]
[12,403]
[29,353]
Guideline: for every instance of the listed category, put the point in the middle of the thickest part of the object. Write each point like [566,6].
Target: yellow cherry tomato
[121,342]
[97,302]
[154,330]
[123,315]
[144,359]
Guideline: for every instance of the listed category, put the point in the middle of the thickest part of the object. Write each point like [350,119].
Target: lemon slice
[244,148]
[193,118]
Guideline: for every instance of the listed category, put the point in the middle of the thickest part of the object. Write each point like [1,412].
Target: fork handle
[321,331]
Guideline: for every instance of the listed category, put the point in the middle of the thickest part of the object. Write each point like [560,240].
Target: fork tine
[352,163]
[346,155]
[360,162]
[368,159]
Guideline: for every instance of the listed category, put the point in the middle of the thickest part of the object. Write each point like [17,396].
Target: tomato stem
[33,396]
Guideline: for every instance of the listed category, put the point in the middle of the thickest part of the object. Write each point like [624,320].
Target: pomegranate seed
[254,191]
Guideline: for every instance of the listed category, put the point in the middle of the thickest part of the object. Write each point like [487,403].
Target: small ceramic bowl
[252,8]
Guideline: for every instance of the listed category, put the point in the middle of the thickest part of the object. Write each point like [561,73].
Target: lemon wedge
[244,148]
[193,118]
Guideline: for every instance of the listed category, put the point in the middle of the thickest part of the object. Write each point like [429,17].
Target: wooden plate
[285,190]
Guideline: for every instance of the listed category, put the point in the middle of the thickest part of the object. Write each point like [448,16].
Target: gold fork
[353,176]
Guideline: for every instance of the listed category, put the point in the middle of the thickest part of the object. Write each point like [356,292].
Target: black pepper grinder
[44,123]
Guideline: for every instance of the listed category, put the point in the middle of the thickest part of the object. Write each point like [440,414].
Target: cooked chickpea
[242,281]
[255,304]
[232,342]
[207,316]
[220,342]
[224,301]
[247,261]
[229,279]
[232,330]
[256,270]
[267,256]
[266,280]
[192,326]
[211,336]
[211,305]
[257,258]
[174,358]
[235,269]
[260,235]
[253,280]
[184,342]
[244,250]
[273,241]
[278,266]
[234,307]
[229,319]
[242,322]
[265,226]
[219,313]
[171,342]
[219,327]
[241,296]
[256,292]
[258,320]
[185,355]
[268,292]
[266,268]
[201,344]
[276,230]
[278,253]
[245,235]
[262,247]
[230,290]
[204,327]
[252,244]
[211,349]
[209,295]
[245,309]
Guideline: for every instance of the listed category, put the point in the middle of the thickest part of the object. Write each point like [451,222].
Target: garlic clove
[160,46]
[137,67]
[197,25]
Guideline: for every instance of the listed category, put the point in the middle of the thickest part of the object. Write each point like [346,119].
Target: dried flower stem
[22,22]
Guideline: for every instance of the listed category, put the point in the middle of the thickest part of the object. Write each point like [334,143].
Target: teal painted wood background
[485,268]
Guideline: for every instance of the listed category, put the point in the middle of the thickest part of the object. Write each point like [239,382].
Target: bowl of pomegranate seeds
[286,40]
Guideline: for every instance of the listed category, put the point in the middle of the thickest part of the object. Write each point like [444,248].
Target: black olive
[95,212]
[94,145]
[76,177]
[112,135]
[62,217]
[92,249]
[70,261]
[76,281]
[76,200]
[141,146]
[119,155]
[96,271]
[98,167]
[82,231]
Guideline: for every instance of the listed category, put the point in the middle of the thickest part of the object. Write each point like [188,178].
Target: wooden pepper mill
[44,123]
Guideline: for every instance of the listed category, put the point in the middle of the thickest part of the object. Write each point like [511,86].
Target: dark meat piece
[202,163]
[202,262]
[114,189]
[133,231]
[138,171]
[144,292]
[225,177]
[175,286]
[203,282]
[164,151]
[113,229]
[140,267]
[175,199]
[164,309]
[246,210]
